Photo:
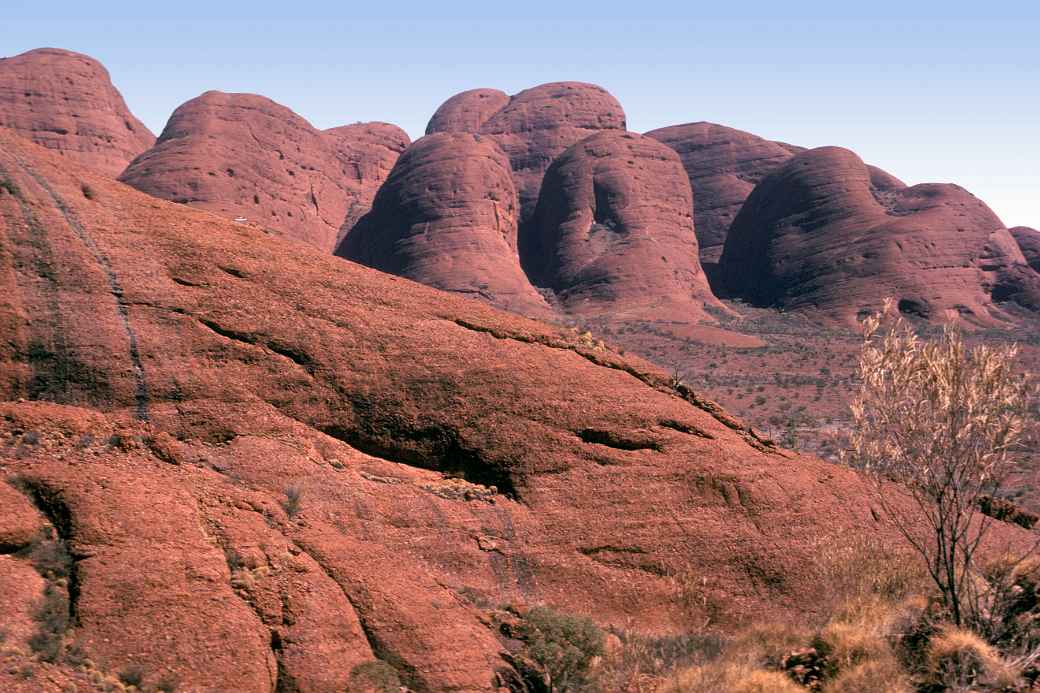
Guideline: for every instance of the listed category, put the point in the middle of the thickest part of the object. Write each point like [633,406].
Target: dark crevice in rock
[432,447]
[285,683]
[233,271]
[59,561]
[1006,511]
[619,441]
[685,428]
[295,355]
[593,550]
[298,357]
[244,337]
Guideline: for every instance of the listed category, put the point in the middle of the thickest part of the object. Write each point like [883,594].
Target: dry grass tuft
[959,660]
[881,674]
[730,677]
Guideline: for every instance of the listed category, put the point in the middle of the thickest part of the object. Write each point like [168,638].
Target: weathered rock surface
[614,232]
[447,217]
[269,465]
[367,152]
[534,126]
[65,101]
[723,165]
[819,233]
[1029,243]
[245,156]
[467,111]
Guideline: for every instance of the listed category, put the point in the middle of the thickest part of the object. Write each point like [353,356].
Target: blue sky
[927,90]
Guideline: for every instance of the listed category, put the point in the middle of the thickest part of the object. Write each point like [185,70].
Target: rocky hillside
[232,461]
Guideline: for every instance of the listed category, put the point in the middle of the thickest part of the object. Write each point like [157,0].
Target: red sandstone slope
[242,155]
[821,233]
[447,217]
[65,101]
[613,232]
[199,374]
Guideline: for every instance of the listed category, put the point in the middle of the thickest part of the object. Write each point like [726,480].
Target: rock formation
[819,233]
[534,126]
[1029,242]
[467,111]
[367,152]
[723,165]
[244,156]
[447,217]
[65,101]
[265,467]
[614,233]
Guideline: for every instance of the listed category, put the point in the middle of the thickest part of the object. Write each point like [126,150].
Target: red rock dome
[614,231]
[65,101]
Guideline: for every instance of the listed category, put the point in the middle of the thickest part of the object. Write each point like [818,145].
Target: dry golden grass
[959,660]
[881,675]
[729,677]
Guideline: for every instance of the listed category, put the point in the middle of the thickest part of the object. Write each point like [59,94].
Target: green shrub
[52,618]
[132,675]
[562,644]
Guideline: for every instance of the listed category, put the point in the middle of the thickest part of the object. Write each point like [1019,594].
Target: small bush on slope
[562,644]
[959,660]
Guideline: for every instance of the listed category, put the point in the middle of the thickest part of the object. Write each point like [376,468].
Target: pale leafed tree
[943,419]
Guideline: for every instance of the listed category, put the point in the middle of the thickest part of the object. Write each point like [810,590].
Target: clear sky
[930,91]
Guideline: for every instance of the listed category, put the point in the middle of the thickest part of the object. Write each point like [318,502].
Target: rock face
[467,111]
[614,230]
[819,233]
[1029,242]
[270,467]
[368,152]
[245,156]
[447,217]
[723,165]
[534,126]
[65,101]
